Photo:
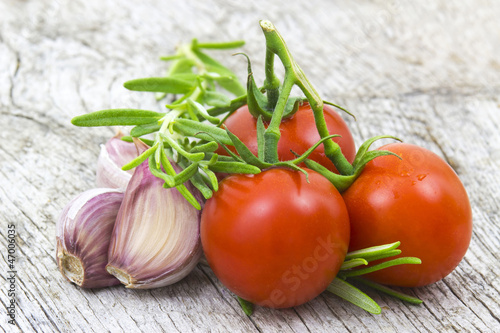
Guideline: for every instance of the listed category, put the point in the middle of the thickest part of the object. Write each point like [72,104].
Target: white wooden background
[427,72]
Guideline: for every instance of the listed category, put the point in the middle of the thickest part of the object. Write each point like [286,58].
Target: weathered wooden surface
[428,73]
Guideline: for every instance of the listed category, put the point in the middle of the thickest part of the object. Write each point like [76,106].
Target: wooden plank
[426,72]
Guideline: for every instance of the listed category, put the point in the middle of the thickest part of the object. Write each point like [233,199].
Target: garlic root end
[72,268]
[124,277]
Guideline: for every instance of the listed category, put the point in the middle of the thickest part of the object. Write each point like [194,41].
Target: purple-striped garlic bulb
[115,154]
[156,239]
[83,234]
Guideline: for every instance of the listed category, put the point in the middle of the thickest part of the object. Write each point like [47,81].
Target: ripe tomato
[419,201]
[273,238]
[298,133]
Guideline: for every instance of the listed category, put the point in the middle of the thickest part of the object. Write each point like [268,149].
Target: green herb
[197,81]
[342,288]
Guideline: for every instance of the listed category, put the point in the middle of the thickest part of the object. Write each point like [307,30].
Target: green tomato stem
[294,75]
[271,83]
[272,133]
[341,182]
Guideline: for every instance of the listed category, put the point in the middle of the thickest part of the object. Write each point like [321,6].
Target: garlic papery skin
[156,239]
[83,234]
[115,154]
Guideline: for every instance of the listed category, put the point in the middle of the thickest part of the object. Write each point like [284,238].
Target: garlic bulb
[115,154]
[156,238]
[83,234]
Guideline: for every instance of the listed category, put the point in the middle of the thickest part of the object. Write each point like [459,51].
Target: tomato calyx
[245,156]
[363,156]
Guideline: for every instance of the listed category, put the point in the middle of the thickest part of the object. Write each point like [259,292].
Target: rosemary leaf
[160,84]
[352,294]
[117,117]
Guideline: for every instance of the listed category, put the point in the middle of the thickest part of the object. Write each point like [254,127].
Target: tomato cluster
[275,232]
[278,239]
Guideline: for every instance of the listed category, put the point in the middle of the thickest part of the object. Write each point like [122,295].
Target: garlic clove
[115,154]
[156,238]
[83,234]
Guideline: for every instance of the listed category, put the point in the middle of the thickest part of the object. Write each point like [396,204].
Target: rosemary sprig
[345,290]
[197,81]
[342,288]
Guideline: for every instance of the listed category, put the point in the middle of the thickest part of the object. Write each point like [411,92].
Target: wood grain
[427,72]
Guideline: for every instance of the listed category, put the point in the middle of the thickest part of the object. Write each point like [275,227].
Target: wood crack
[166,312]
[301,319]
[54,325]
[32,119]
[28,292]
[135,321]
[492,314]
[173,323]
[461,300]
[89,306]
[336,316]
[13,77]
[104,306]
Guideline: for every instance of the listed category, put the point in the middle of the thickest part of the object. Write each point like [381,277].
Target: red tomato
[298,133]
[273,238]
[419,201]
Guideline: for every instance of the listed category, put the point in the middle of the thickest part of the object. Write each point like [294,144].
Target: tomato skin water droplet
[421,177]
[405,173]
